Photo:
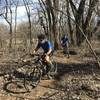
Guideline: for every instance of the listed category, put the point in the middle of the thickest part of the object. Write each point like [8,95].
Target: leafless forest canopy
[53,18]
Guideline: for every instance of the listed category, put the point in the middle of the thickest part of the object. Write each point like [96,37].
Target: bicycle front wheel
[34,77]
[15,87]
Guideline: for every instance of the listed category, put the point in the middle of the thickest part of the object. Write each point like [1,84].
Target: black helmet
[41,36]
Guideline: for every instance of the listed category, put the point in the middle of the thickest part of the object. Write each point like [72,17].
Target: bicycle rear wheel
[53,70]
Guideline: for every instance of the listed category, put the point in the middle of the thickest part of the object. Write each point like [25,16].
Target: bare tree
[29,20]
[9,21]
[69,22]
[87,29]
[48,17]
[3,35]
[52,17]
[81,20]
[43,18]
[15,28]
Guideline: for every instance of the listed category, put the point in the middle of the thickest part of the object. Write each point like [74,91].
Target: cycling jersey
[64,41]
[46,45]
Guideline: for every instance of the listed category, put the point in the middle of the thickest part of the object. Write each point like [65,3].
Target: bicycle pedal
[50,78]
[33,85]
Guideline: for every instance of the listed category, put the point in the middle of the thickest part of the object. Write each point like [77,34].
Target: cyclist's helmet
[41,36]
[64,35]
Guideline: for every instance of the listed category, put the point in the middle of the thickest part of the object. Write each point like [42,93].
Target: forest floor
[78,78]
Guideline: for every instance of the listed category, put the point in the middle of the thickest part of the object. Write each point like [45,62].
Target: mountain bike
[29,75]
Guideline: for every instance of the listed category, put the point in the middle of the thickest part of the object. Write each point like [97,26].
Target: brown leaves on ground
[78,78]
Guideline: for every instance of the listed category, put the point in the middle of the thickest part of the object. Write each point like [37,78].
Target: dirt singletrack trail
[70,70]
[44,87]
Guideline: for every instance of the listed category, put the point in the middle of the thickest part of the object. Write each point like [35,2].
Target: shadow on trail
[89,68]
[16,86]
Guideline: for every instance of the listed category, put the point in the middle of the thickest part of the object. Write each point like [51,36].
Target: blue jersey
[45,46]
[64,40]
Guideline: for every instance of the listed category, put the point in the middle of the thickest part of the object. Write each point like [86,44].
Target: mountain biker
[65,44]
[47,47]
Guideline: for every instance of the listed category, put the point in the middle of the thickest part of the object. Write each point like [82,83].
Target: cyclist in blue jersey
[65,44]
[47,47]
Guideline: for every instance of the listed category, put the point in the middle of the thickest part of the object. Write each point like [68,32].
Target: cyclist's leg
[48,64]
[64,49]
[67,49]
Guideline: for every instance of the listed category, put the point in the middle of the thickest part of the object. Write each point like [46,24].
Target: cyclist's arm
[37,47]
[49,51]
[50,48]
[61,42]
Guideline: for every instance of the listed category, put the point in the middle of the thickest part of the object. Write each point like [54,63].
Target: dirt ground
[78,78]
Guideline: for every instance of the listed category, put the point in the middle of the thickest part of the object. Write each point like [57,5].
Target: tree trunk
[52,16]
[69,24]
[92,5]
[78,14]
[10,40]
[29,20]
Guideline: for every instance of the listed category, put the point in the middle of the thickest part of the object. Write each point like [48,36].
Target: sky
[21,11]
